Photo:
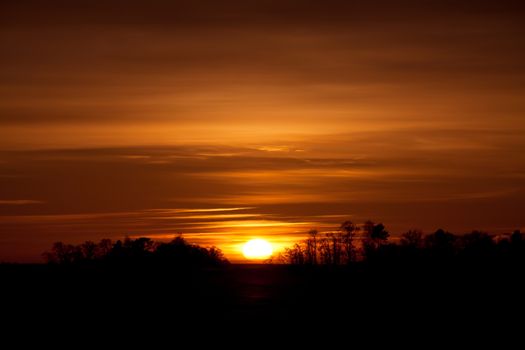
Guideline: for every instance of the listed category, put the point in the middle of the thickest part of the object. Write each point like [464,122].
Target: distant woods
[348,244]
[371,243]
[367,243]
[141,251]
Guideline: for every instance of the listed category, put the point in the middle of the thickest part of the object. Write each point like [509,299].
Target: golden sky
[131,117]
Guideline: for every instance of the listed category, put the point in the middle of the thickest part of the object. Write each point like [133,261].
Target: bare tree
[325,251]
[295,255]
[335,246]
[89,250]
[311,247]
[104,247]
[63,254]
[349,231]
[412,238]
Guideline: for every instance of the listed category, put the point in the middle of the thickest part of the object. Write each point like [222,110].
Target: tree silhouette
[325,251]
[412,238]
[517,238]
[63,254]
[441,244]
[349,232]
[476,246]
[379,235]
[346,246]
[142,250]
[295,255]
[343,246]
[375,237]
[311,247]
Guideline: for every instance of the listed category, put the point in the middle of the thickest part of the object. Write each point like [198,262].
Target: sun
[257,249]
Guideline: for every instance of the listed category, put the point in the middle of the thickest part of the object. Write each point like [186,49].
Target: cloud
[200,210]
[19,201]
[403,111]
[252,69]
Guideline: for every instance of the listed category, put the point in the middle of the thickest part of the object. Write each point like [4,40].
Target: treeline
[141,251]
[371,243]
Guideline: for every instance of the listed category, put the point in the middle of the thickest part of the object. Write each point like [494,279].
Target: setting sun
[257,249]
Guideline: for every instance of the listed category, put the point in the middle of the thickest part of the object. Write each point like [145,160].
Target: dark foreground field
[129,296]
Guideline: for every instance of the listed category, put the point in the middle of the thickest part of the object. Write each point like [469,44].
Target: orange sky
[130,117]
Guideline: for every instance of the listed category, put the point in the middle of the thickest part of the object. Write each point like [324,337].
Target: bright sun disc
[257,249]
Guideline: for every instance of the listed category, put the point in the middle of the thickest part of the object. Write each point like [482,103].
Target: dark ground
[255,293]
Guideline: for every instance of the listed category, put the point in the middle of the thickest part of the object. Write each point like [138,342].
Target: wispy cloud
[19,201]
[199,210]
[222,195]
[205,226]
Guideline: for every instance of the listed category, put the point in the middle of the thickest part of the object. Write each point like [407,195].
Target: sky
[228,120]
